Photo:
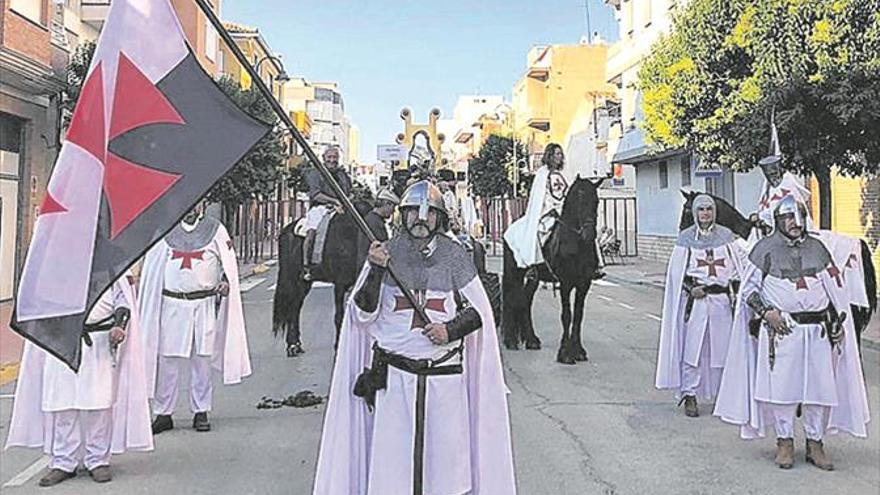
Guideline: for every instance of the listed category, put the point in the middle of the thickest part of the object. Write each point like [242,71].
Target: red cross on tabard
[130,188]
[853,258]
[801,283]
[402,304]
[186,257]
[833,271]
[765,202]
[710,262]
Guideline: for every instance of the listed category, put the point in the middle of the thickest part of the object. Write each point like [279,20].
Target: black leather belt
[190,296]
[376,378]
[810,317]
[714,289]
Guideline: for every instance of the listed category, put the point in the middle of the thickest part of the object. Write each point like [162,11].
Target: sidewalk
[651,273]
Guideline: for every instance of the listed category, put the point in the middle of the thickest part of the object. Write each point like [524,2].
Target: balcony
[94,12]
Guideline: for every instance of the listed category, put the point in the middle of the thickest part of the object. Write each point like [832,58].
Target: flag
[150,134]
[775,150]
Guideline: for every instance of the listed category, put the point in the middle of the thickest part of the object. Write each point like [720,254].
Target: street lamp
[282,77]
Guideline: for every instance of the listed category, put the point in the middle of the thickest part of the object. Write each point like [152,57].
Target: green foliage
[490,172]
[712,84]
[258,173]
[77,70]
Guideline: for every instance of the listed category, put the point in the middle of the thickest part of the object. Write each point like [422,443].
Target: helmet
[790,205]
[386,194]
[423,195]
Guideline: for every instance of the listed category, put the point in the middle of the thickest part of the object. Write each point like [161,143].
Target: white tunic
[190,323]
[804,368]
[92,387]
[713,312]
[447,427]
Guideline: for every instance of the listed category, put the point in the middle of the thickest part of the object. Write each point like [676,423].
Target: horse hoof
[533,344]
[294,350]
[511,346]
[581,356]
[565,360]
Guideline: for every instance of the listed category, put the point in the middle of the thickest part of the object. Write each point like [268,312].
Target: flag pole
[347,205]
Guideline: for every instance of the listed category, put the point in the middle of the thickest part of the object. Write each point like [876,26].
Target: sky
[390,54]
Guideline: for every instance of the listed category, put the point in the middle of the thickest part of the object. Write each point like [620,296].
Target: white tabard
[92,387]
[713,312]
[447,425]
[184,322]
[804,370]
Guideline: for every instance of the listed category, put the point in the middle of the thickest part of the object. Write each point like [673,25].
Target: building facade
[658,176]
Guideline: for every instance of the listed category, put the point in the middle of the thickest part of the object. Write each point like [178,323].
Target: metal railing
[255,226]
[619,214]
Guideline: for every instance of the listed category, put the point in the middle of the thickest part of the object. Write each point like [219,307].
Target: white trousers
[167,384]
[315,215]
[813,416]
[81,435]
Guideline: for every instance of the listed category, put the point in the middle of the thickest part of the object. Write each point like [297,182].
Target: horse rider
[322,201]
[526,236]
[793,344]
[701,280]
[377,220]
[430,414]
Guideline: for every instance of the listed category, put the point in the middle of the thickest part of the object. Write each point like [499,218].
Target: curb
[643,283]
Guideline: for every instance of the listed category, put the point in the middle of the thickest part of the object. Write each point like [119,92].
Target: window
[31,9]
[210,41]
[664,174]
[686,170]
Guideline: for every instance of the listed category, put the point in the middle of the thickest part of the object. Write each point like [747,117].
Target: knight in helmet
[701,280]
[417,406]
[793,344]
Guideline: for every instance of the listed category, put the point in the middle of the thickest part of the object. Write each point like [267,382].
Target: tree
[77,70]
[258,173]
[490,173]
[713,83]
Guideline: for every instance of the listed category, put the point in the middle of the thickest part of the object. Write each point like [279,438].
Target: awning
[632,147]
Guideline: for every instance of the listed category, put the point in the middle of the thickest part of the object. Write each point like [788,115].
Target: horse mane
[725,214]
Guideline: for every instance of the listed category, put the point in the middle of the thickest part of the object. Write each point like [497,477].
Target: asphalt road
[597,427]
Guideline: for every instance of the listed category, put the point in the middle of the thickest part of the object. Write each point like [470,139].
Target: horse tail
[870,276]
[282,309]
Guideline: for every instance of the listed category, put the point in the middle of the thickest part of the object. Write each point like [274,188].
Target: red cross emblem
[401,303]
[710,262]
[835,272]
[801,283]
[136,103]
[186,257]
[852,259]
[765,202]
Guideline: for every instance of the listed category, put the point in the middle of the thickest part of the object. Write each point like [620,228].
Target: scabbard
[771,346]
[419,440]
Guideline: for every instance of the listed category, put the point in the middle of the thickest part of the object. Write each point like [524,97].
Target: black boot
[162,423]
[200,422]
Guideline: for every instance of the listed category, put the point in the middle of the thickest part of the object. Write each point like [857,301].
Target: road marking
[605,283]
[605,298]
[271,287]
[28,473]
[624,305]
[316,285]
[251,283]
[653,317]
[271,263]
[6,396]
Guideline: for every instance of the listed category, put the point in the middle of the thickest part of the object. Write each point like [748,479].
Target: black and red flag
[150,134]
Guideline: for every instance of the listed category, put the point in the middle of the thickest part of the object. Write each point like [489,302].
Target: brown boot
[785,453]
[690,406]
[55,476]
[816,455]
[101,474]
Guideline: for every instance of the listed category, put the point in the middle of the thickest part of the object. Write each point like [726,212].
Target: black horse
[338,267]
[571,258]
[728,216]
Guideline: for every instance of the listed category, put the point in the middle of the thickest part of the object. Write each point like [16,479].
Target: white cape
[672,337]
[736,402]
[344,458]
[522,235]
[230,356]
[31,427]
